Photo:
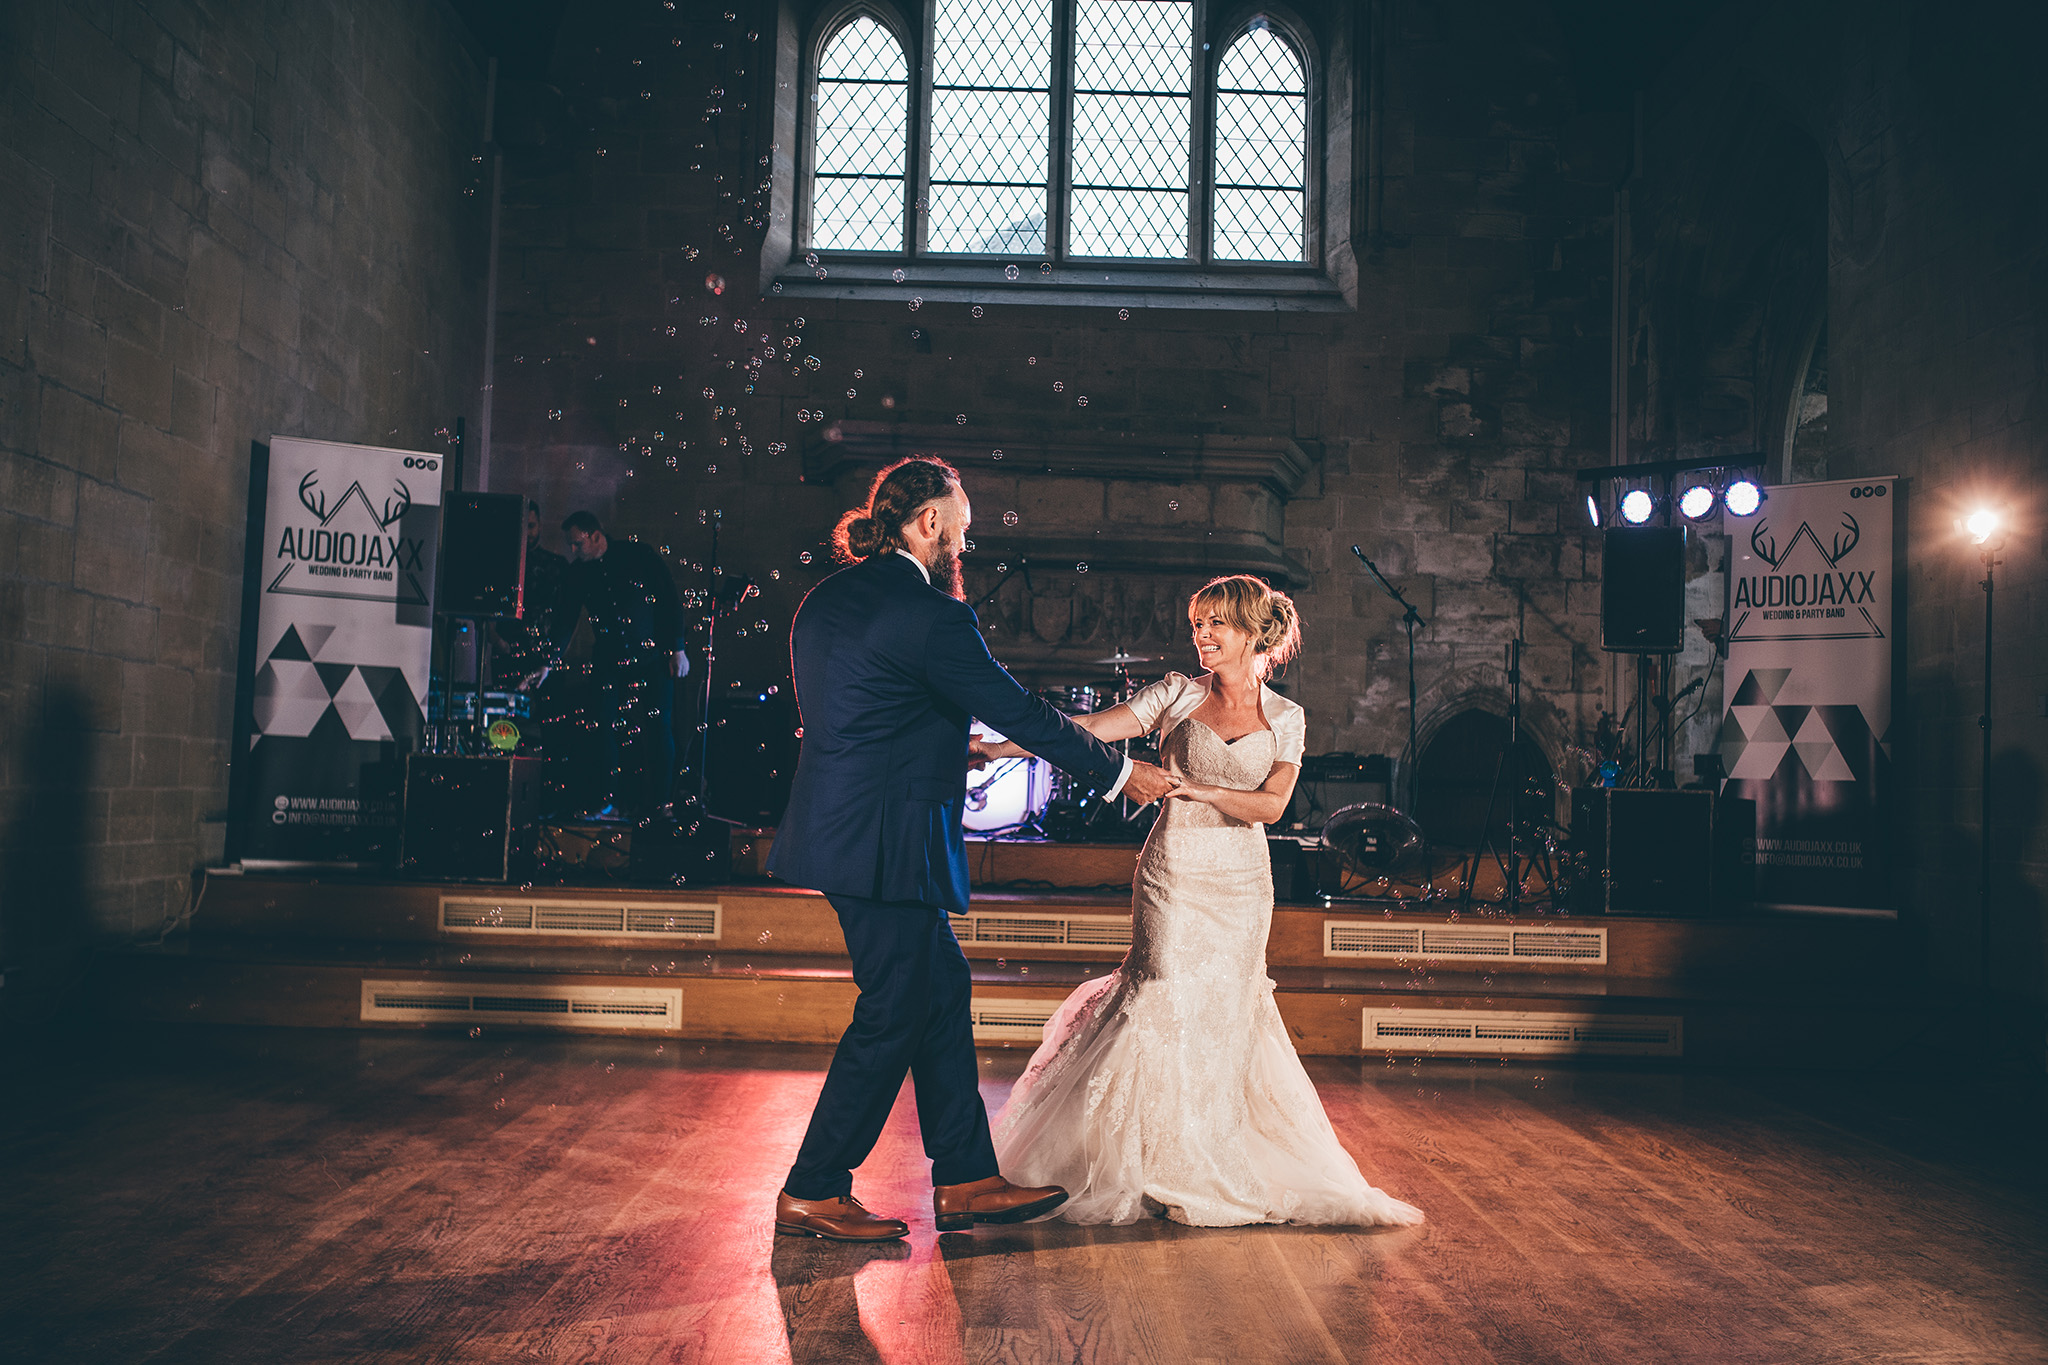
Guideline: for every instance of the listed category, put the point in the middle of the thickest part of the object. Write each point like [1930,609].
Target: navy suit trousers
[912,1016]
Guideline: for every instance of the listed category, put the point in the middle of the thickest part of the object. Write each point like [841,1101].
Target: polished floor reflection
[205,1195]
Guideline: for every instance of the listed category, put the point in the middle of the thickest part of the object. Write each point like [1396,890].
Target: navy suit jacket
[888,672]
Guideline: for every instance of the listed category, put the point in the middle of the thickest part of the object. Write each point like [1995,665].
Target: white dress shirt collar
[919,562]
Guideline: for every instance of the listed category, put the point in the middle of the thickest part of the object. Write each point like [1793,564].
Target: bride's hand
[1194,791]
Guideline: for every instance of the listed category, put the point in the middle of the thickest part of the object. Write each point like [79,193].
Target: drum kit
[1029,796]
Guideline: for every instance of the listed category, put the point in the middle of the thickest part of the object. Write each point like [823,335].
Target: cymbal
[1122,660]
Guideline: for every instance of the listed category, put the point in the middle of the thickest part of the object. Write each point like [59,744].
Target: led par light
[1696,502]
[1593,509]
[1743,498]
[1636,506]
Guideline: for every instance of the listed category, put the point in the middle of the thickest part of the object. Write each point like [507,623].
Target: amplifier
[1655,852]
[470,819]
[1330,782]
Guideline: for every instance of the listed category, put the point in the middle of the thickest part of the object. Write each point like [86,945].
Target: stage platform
[765,963]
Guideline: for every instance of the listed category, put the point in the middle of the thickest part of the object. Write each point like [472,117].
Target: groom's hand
[1148,783]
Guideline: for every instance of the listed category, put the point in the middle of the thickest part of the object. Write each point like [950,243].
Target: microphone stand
[1411,618]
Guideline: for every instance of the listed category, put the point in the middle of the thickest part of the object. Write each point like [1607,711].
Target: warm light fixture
[1592,509]
[1743,497]
[1636,507]
[1696,502]
[1982,524]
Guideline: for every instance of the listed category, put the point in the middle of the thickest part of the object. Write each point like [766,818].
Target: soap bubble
[821,272]
[976,310]
[710,469]
[860,374]
[804,558]
[897,274]
[1009,272]
[916,302]
[960,419]
[1045,267]
[1009,518]
[1123,315]
[715,283]
[1030,360]
[812,260]
[1081,401]
[1173,505]
[996,454]
[1082,567]
[850,392]
[1059,386]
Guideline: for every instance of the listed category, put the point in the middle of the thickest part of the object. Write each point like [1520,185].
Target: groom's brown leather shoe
[994,1200]
[839,1220]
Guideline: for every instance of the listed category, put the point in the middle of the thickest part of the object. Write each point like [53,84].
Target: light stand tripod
[1510,763]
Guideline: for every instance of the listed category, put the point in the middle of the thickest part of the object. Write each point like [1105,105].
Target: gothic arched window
[860,140]
[1260,182]
[1066,130]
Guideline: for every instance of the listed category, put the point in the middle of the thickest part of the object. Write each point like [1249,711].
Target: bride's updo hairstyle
[1264,613]
[898,493]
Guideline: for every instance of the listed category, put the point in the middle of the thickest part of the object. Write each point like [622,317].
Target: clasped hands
[1148,782]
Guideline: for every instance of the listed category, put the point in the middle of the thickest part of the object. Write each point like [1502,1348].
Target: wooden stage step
[763,963]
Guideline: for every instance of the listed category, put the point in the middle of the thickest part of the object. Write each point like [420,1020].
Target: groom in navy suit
[890,666]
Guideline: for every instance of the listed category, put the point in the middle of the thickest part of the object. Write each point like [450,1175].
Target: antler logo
[1846,538]
[314,500]
[310,497]
[1765,545]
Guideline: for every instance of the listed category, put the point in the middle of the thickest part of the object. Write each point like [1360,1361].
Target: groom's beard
[946,574]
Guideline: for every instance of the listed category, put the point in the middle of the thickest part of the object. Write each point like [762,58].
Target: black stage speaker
[471,819]
[1653,852]
[750,756]
[483,555]
[1642,589]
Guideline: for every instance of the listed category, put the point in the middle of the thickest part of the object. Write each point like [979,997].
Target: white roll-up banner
[1806,724]
[337,655]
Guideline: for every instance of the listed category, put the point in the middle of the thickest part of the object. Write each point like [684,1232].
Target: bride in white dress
[1170,1086]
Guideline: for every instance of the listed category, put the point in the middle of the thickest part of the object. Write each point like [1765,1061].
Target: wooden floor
[220,1195]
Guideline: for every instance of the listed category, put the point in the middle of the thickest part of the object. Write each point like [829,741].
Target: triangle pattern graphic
[1760,724]
[395,700]
[316,638]
[290,698]
[1761,687]
[358,709]
[290,646]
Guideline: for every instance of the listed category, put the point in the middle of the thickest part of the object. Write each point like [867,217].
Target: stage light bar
[1743,498]
[1696,502]
[1592,509]
[1636,506]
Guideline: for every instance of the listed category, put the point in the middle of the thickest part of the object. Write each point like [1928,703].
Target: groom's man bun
[897,494]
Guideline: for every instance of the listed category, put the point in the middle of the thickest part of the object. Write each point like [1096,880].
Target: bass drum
[1007,793]
[1075,701]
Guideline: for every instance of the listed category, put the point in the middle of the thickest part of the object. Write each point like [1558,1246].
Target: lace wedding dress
[1170,1086]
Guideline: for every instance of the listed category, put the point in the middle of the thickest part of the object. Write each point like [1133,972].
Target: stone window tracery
[1062,130]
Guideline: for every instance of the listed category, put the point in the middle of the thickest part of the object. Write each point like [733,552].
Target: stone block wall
[1445,415]
[1916,137]
[217,223]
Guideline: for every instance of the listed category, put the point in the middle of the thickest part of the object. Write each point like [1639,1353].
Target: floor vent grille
[580,918]
[1013,1020]
[568,1007]
[1484,1033]
[1044,931]
[1463,942]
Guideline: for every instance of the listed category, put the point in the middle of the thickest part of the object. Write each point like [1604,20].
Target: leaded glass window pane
[1132,76]
[1261,202]
[991,126]
[863,102]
